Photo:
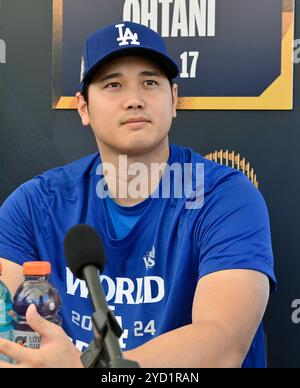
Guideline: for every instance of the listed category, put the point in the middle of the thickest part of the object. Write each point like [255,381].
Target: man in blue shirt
[189,259]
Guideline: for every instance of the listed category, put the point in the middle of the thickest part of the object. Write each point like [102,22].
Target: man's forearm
[204,345]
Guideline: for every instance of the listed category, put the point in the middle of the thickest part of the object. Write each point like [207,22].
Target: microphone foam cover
[83,247]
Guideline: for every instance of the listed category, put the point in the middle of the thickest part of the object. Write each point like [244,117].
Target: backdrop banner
[233,54]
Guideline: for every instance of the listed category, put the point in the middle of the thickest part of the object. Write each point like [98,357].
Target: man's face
[131,105]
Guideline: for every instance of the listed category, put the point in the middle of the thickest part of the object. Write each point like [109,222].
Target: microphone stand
[104,351]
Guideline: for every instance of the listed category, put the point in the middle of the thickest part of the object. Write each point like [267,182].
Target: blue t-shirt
[154,263]
[122,219]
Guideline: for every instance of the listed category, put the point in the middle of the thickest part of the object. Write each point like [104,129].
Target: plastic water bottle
[36,289]
[5,317]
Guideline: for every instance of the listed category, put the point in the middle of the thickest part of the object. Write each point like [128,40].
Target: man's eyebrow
[145,73]
[151,73]
[109,76]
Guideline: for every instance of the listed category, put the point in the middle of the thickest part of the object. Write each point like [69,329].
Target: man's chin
[136,146]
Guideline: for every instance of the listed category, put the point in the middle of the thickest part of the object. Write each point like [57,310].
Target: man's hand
[56,349]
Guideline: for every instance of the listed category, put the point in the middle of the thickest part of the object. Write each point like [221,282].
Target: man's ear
[82,108]
[175,99]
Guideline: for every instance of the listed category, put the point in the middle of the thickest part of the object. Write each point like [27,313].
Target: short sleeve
[17,240]
[234,232]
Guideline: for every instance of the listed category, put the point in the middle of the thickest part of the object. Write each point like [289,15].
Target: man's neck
[133,178]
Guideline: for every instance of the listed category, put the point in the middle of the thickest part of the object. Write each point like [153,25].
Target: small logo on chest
[149,259]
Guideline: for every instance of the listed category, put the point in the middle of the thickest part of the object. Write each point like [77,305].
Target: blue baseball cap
[122,39]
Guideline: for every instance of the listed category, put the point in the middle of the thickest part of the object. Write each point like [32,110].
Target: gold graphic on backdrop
[234,160]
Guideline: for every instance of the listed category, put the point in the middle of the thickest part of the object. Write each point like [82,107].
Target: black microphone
[85,256]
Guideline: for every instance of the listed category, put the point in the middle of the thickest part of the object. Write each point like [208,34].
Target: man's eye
[113,85]
[151,83]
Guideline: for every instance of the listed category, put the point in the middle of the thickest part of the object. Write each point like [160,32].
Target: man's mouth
[136,122]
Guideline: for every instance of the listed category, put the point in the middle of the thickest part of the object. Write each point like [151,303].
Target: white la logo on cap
[124,38]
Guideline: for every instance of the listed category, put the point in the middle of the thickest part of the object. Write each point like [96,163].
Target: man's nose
[134,102]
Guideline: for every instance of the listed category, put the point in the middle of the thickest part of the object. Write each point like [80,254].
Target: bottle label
[28,339]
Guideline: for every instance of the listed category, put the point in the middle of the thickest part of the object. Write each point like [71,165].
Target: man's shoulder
[63,178]
[220,182]
[215,174]
[71,173]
